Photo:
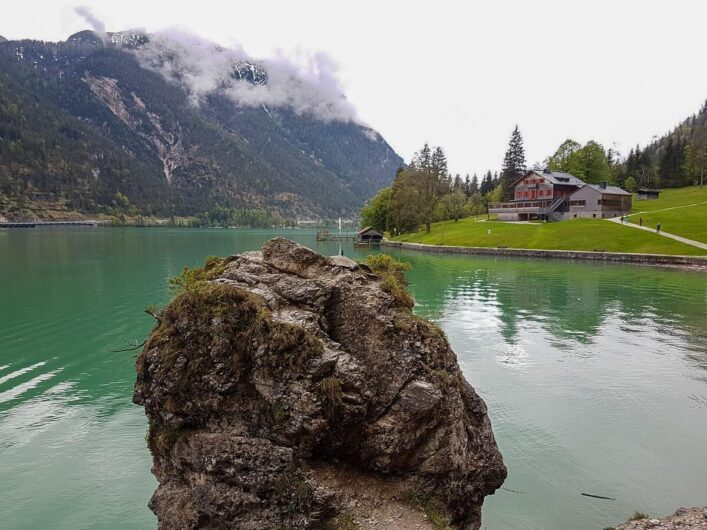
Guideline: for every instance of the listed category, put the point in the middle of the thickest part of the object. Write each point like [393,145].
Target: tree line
[424,192]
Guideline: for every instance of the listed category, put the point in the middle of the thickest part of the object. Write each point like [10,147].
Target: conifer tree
[474,186]
[487,183]
[439,167]
[514,165]
[467,186]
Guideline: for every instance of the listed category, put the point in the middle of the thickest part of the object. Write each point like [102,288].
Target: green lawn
[689,222]
[577,234]
[687,216]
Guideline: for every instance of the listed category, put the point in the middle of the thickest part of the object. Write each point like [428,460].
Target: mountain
[133,119]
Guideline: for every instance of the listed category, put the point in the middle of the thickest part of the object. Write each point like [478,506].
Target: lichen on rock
[284,362]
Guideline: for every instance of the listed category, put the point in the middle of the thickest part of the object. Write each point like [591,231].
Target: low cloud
[308,85]
[92,20]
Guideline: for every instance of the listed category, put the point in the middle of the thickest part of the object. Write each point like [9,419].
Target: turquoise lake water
[595,375]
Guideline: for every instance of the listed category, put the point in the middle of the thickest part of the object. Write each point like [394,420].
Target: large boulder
[283,376]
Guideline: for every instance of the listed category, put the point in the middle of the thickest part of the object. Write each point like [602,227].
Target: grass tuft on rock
[433,509]
[294,491]
[344,521]
[392,275]
[190,279]
[638,515]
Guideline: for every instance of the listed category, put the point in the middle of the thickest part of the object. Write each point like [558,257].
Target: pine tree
[474,186]
[423,158]
[467,186]
[667,162]
[438,162]
[487,183]
[514,165]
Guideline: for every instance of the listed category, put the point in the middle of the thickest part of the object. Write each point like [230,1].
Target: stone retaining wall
[646,259]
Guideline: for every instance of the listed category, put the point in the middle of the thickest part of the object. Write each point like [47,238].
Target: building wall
[533,187]
[591,203]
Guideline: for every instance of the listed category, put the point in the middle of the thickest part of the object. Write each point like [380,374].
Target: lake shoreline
[692,263]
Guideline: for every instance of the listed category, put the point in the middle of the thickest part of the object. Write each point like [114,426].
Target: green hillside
[577,234]
[680,211]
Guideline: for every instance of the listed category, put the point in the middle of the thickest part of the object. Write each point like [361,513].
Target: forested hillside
[84,121]
[677,159]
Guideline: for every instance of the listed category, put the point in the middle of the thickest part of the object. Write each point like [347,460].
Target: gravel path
[692,242]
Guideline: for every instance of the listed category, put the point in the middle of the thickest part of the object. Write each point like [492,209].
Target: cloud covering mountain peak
[308,85]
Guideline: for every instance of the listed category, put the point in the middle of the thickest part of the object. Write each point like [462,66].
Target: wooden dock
[34,224]
[327,235]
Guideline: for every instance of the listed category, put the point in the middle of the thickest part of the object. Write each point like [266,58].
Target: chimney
[602,185]
[547,170]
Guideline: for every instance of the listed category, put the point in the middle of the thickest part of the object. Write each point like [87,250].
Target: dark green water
[595,375]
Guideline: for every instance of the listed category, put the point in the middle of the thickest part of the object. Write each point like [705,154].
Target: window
[578,203]
[609,202]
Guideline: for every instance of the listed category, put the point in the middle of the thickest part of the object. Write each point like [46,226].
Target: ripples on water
[595,375]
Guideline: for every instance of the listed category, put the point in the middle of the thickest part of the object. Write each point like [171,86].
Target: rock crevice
[284,362]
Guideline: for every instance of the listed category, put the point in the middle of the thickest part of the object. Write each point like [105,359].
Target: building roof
[609,190]
[366,229]
[555,177]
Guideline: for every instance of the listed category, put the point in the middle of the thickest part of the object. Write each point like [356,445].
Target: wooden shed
[368,236]
[645,194]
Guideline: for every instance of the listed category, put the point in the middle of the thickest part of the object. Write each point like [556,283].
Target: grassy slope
[577,234]
[687,219]
[670,198]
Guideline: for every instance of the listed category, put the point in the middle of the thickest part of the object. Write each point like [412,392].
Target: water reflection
[569,301]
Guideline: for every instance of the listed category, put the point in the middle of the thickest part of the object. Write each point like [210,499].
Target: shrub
[638,515]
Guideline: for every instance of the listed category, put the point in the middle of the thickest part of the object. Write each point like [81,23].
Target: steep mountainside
[87,119]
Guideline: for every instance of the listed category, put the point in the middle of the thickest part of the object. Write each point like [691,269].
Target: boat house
[368,236]
[554,196]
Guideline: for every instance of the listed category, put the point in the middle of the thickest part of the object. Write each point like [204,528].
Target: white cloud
[307,84]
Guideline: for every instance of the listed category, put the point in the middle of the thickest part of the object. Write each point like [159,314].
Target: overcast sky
[459,74]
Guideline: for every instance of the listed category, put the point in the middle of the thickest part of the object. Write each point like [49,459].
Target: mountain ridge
[103,124]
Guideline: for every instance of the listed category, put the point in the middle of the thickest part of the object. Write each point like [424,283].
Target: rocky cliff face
[276,380]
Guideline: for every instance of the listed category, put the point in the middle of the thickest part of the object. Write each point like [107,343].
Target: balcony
[536,207]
